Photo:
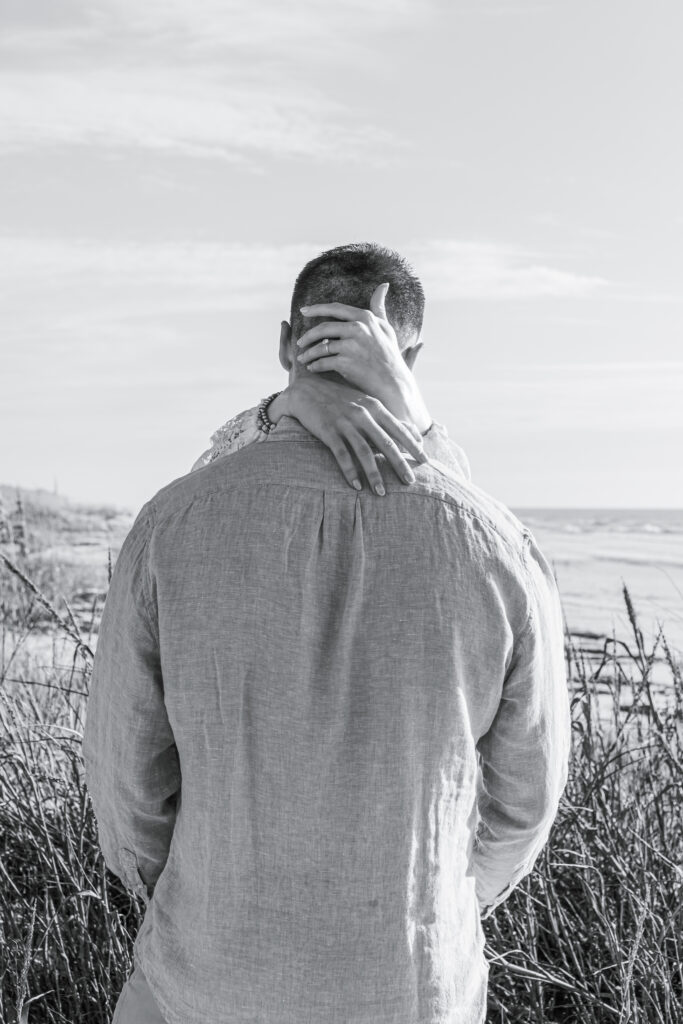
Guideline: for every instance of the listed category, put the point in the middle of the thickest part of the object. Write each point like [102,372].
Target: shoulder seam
[527,539]
[149,523]
[458,506]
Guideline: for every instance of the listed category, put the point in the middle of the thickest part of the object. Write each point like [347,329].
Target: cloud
[227,24]
[212,80]
[300,26]
[486,270]
[637,367]
[240,276]
[79,279]
[193,115]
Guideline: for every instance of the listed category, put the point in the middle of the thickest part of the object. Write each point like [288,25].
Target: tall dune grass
[594,934]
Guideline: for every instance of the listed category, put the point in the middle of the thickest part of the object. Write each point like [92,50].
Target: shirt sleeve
[525,753]
[132,770]
[239,431]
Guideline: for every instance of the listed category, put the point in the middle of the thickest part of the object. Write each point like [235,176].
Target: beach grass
[593,934]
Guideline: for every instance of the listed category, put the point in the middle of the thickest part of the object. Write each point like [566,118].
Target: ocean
[595,552]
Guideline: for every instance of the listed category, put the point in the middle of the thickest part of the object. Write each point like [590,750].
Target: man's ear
[410,354]
[286,361]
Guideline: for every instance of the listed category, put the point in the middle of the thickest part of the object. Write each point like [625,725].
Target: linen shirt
[327,734]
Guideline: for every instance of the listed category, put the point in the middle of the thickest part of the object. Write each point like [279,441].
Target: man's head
[350,274]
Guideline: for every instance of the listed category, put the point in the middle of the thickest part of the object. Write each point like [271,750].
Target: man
[327,731]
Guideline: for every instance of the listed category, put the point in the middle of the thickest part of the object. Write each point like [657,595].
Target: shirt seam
[148,525]
[294,432]
[526,545]
[160,519]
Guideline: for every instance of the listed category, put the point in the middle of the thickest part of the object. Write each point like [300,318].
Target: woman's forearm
[402,398]
[278,407]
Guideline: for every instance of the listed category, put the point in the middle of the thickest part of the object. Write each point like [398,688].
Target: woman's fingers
[389,439]
[339,310]
[358,431]
[383,423]
[366,457]
[413,429]
[377,302]
[389,435]
[388,445]
[328,329]
[323,349]
[326,363]
[335,442]
[335,362]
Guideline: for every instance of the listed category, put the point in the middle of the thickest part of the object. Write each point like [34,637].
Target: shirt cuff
[488,909]
[132,876]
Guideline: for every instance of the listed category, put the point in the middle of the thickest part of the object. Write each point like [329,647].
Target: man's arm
[525,753]
[132,771]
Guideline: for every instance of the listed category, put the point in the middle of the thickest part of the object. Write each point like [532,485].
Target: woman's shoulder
[438,436]
[238,431]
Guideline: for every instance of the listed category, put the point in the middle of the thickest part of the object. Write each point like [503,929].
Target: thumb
[377,301]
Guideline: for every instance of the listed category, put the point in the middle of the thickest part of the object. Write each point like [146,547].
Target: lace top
[243,428]
[239,431]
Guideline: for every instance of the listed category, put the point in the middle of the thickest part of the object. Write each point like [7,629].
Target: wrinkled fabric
[136,1004]
[327,733]
[244,429]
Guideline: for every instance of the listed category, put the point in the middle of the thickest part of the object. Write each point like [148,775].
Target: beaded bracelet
[263,421]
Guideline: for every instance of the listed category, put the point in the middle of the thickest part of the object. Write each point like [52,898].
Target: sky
[168,167]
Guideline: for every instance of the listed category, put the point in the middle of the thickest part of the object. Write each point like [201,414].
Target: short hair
[350,274]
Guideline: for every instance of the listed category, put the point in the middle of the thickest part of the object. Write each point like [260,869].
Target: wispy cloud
[141,279]
[217,79]
[201,114]
[490,270]
[613,366]
[613,396]
[300,27]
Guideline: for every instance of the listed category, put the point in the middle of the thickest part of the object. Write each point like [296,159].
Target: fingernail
[357,484]
[300,341]
[304,309]
[409,478]
[300,357]
[379,489]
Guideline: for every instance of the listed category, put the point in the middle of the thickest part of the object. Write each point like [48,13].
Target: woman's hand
[361,346]
[338,414]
